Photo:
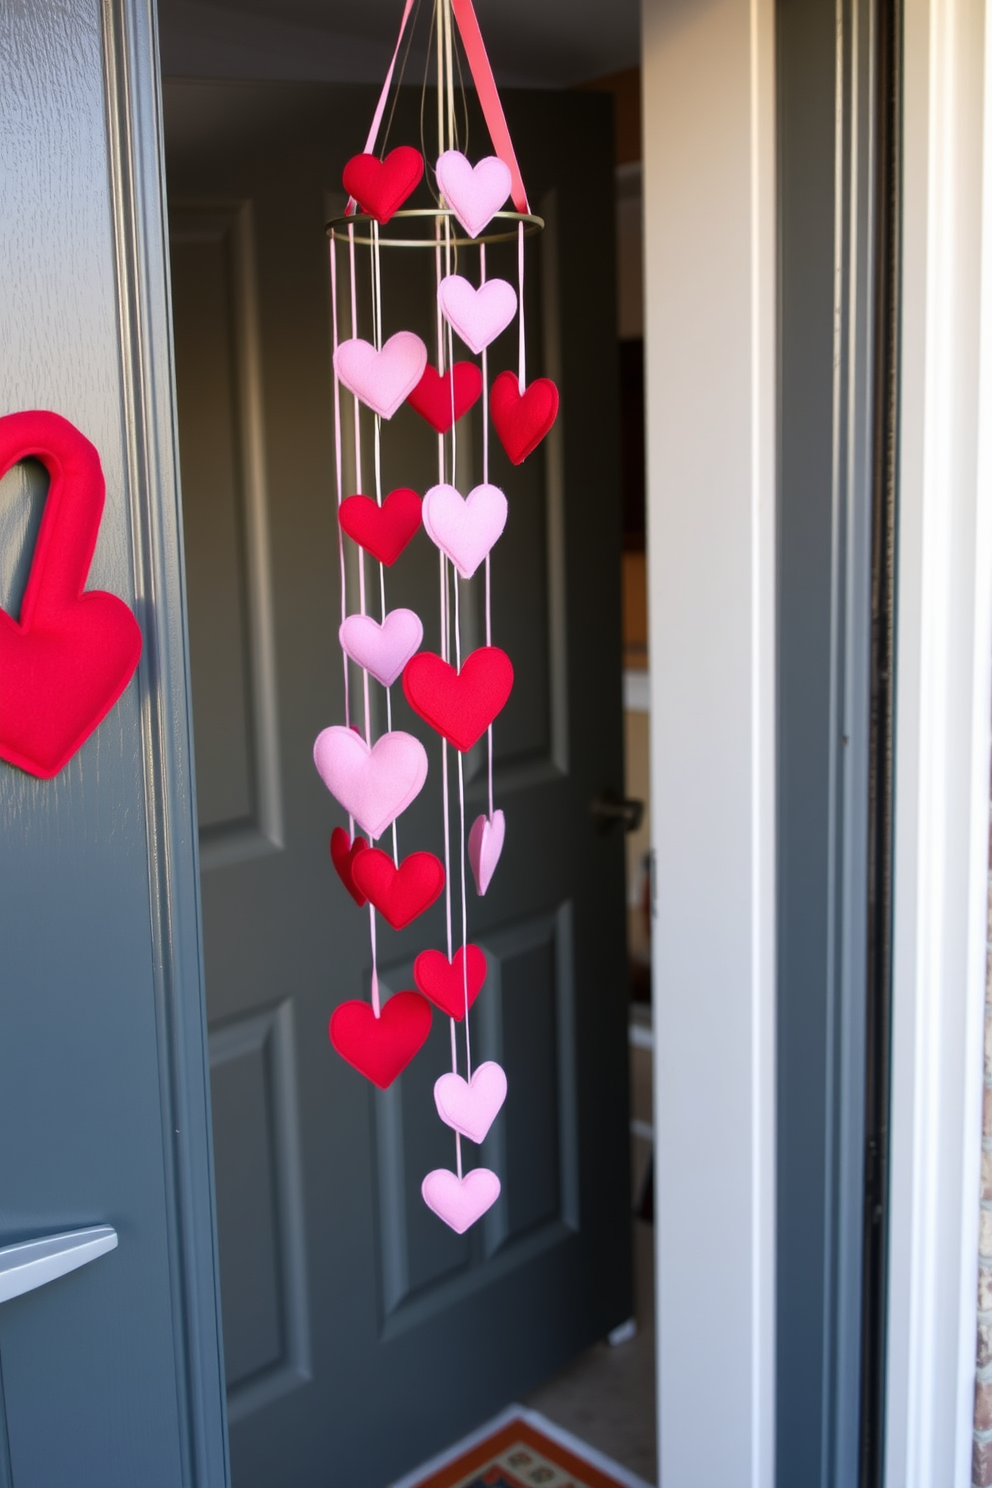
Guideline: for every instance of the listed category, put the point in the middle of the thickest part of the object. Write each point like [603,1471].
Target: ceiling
[532,43]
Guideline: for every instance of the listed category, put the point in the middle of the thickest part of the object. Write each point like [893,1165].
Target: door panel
[260,1207]
[392,1300]
[111,1375]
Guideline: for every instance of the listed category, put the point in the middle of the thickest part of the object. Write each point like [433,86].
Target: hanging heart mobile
[458,695]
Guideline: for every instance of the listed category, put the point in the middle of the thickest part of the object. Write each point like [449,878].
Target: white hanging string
[338,478]
[442,13]
[461,845]
[458,667]
[339,488]
[361,581]
[449,59]
[358,468]
[376,277]
[461,813]
[522,373]
[375,971]
[485,481]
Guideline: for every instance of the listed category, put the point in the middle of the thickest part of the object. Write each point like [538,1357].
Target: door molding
[132,77]
[710,314]
[944,626]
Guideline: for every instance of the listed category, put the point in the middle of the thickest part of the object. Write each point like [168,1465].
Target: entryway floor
[607,1396]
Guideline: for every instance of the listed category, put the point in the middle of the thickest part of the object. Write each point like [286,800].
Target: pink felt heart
[373,785]
[460,1201]
[464,530]
[478,315]
[485,843]
[471,1106]
[382,379]
[473,193]
[383,650]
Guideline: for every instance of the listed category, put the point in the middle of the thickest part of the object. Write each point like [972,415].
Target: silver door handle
[30,1264]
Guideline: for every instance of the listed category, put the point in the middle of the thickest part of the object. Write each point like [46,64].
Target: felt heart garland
[458,694]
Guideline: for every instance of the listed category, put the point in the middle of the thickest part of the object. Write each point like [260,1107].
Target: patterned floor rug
[521,1449]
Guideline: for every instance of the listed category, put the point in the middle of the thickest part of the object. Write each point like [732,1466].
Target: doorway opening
[318,1174]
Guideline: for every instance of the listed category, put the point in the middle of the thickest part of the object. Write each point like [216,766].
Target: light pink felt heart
[373,785]
[478,315]
[473,193]
[464,530]
[471,1106]
[383,650]
[382,379]
[485,843]
[460,1201]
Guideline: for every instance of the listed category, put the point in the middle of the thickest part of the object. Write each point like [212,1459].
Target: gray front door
[360,1334]
[111,1374]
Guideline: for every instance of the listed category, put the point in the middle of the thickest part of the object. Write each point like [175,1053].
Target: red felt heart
[443,981]
[343,855]
[522,420]
[68,657]
[460,705]
[380,187]
[380,1048]
[385,530]
[432,395]
[399,894]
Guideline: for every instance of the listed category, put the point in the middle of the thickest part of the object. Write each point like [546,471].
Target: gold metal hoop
[340,228]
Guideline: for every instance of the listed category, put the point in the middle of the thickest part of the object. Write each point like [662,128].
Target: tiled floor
[607,1396]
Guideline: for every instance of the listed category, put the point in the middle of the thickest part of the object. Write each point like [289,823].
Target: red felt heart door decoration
[385,530]
[460,705]
[70,654]
[343,855]
[380,1048]
[437,398]
[522,419]
[399,894]
[382,186]
[446,982]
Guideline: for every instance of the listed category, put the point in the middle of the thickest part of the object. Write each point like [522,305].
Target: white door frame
[944,617]
[709,200]
[710,318]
